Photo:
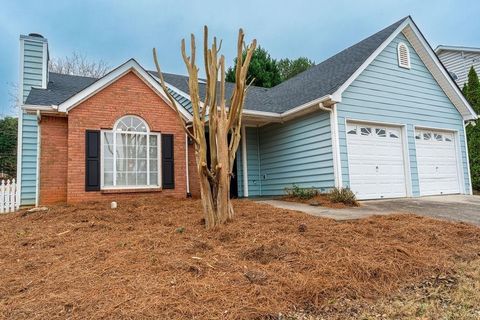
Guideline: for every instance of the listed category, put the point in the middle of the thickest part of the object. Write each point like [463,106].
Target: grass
[154,259]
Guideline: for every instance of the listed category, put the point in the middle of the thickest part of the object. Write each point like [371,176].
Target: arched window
[131,124]
[403,55]
[130,155]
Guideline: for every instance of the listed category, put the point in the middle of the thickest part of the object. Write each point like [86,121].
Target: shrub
[301,193]
[343,195]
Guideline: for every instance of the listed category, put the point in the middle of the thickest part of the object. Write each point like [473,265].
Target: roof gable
[395,91]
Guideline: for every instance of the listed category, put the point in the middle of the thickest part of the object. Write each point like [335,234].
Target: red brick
[62,164]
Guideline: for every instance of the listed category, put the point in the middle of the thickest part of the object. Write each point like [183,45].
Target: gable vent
[403,55]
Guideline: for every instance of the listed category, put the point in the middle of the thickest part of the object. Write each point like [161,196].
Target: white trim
[39,143]
[458,154]
[244,162]
[406,158]
[34,107]
[133,116]
[130,65]
[399,58]
[470,188]
[159,184]
[306,105]
[337,163]
[186,164]
[440,48]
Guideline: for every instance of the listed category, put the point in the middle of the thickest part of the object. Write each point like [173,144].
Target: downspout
[39,143]
[335,143]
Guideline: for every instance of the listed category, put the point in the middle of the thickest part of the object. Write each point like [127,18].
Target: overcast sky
[118,30]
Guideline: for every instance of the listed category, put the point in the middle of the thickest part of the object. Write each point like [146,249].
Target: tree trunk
[221,121]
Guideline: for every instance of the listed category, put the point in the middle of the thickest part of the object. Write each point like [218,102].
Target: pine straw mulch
[154,259]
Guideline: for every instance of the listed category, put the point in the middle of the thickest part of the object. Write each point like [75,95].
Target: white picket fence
[9,201]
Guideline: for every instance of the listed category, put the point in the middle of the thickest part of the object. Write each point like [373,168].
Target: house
[382,117]
[458,61]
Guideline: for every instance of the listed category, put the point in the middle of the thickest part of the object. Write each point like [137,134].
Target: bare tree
[224,124]
[79,65]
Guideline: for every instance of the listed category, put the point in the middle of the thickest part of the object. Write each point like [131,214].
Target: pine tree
[471,90]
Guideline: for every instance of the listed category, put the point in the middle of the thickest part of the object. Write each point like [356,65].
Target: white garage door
[376,161]
[437,162]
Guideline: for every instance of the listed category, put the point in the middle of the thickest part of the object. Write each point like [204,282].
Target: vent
[403,55]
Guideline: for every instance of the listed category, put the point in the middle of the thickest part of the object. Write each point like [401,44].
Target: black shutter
[92,160]
[168,177]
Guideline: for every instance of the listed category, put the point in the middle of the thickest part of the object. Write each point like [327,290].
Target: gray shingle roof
[60,87]
[320,80]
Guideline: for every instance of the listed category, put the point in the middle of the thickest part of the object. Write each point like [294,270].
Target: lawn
[154,259]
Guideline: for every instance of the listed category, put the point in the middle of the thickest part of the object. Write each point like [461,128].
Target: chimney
[33,74]
[33,63]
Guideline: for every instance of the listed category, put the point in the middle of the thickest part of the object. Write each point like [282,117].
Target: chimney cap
[36,35]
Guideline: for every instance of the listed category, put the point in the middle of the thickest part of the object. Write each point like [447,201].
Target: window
[352,130]
[427,136]
[131,154]
[403,54]
[393,134]
[381,132]
[437,137]
[365,131]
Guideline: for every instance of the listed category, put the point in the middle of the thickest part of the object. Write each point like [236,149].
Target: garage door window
[392,133]
[434,136]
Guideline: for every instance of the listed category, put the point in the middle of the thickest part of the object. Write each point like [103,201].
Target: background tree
[263,69]
[223,124]
[8,146]
[289,68]
[472,93]
[78,64]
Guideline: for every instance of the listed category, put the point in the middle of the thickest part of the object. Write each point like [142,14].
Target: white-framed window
[130,156]
[403,54]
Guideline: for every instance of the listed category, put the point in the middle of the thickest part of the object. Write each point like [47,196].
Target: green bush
[343,195]
[301,193]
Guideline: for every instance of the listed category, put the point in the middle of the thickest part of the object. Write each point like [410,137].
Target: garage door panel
[375,158]
[437,162]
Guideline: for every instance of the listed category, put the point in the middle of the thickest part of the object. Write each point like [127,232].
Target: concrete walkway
[452,207]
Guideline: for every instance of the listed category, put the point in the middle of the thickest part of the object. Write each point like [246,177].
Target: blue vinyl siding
[296,152]
[253,164]
[29,159]
[32,77]
[385,92]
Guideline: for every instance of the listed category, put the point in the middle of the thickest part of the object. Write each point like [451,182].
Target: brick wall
[129,95]
[53,160]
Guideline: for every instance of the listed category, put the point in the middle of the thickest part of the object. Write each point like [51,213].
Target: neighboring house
[382,117]
[458,61]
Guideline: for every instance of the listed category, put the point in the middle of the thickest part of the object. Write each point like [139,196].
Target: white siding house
[458,61]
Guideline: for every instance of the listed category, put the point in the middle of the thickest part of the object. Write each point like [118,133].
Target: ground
[154,259]
[463,208]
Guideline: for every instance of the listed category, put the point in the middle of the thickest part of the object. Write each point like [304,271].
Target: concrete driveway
[452,207]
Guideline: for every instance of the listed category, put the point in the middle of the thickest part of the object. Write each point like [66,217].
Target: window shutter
[168,177]
[92,160]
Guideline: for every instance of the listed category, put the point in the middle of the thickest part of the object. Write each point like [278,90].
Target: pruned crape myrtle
[224,124]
